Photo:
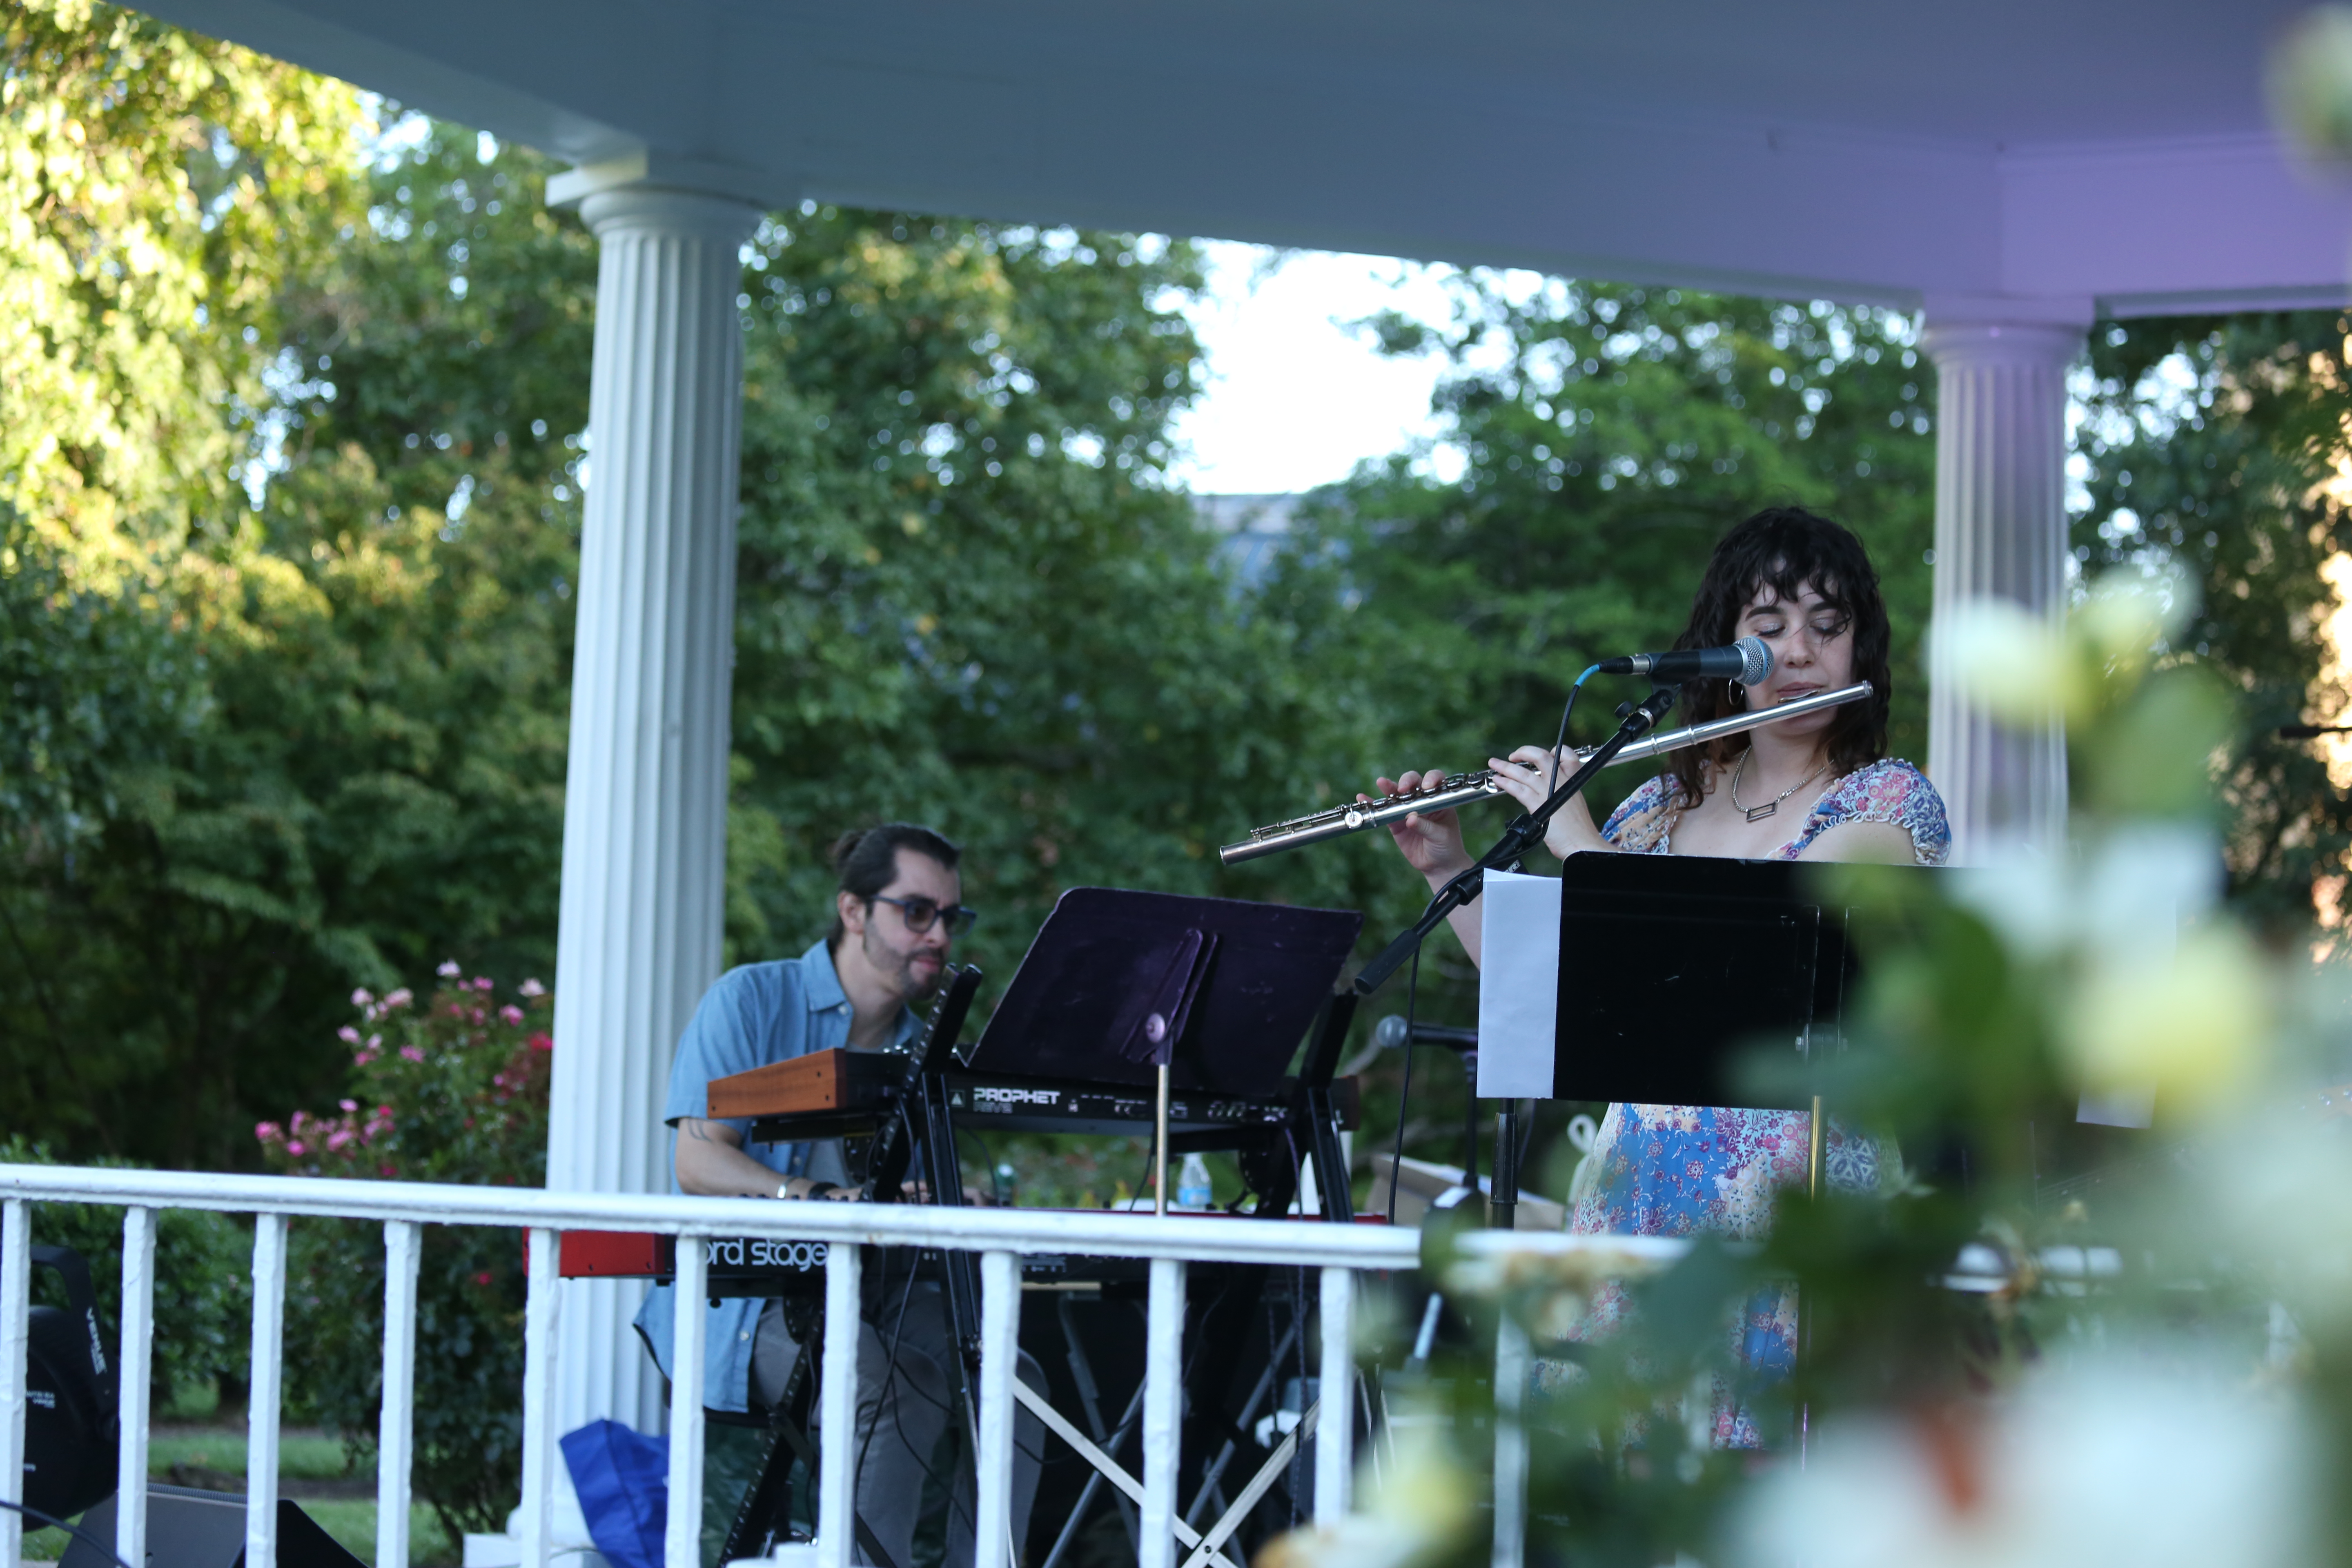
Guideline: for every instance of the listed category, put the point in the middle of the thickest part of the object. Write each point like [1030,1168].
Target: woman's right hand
[1431,841]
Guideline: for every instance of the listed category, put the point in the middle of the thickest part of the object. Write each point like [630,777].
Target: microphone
[1390,1033]
[1745,661]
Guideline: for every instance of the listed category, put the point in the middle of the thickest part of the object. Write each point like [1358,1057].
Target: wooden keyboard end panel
[817,1082]
[821,1082]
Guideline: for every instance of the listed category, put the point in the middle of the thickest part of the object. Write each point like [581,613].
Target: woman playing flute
[1819,787]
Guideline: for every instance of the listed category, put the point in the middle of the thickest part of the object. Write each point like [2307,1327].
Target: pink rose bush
[446,1086]
[451,1088]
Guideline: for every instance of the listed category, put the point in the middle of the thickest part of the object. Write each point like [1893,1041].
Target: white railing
[999,1236]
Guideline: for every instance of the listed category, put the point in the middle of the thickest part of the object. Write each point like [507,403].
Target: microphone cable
[1552,782]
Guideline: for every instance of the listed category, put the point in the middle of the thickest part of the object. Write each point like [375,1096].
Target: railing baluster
[999,1345]
[682,1548]
[396,1427]
[15,1320]
[1510,1445]
[539,1318]
[264,1385]
[837,1453]
[134,1367]
[1163,1411]
[1335,1431]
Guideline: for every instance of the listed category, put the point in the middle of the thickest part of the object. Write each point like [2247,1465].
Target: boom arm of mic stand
[1521,835]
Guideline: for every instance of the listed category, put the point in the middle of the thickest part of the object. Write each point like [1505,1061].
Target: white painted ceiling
[2003,156]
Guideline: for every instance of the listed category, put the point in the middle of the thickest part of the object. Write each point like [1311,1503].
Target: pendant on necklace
[1758,813]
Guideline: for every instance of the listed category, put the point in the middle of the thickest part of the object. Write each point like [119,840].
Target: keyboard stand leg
[1082,1373]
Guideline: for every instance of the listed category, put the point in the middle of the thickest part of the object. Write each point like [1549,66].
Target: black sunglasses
[919,913]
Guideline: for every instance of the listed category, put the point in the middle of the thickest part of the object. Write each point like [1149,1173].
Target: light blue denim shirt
[750,1016]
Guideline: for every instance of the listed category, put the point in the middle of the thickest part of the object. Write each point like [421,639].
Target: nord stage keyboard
[763,1266]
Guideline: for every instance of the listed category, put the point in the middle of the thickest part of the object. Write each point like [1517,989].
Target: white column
[2001,531]
[645,808]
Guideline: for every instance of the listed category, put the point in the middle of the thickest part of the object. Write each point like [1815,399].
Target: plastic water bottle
[1193,1189]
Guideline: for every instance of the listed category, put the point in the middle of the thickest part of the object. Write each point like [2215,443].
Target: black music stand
[1673,966]
[1210,995]
[1233,986]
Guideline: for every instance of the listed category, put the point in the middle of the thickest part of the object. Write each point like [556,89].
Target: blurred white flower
[2310,83]
[2193,1022]
[2124,618]
[2158,1464]
[2005,658]
[1425,1507]
[2147,880]
[2278,1187]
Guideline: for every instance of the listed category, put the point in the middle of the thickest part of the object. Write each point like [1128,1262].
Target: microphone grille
[1755,661]
[1389,1033]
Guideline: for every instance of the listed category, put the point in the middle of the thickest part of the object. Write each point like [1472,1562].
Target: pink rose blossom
[540,1042]
[532,988]
[412,1054]
[400,999]
[338,1141]
[374,1042]
[349,1104]
[360,999]
[481,1017]
[362,1058]
[510,1013]
[265,1131]
[348,1035]
[449,970]
[297,1147]
[482,983]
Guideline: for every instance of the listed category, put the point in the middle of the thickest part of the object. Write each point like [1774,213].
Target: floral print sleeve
[1643,820]
[1892,791]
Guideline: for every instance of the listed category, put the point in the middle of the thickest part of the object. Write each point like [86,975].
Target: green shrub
[203,1288]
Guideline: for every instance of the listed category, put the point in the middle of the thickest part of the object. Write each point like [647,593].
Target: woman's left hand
[1527,776]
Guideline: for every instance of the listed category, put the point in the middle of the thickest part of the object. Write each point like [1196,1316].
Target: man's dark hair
[1785,548]
[865,859]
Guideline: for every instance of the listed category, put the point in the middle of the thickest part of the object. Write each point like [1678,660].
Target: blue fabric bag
[623,1479]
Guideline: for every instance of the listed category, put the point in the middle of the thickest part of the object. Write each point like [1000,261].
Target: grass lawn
[214,1458]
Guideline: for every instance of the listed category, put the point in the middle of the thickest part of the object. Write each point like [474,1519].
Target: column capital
[666,210]
[1954,344]
[761,190]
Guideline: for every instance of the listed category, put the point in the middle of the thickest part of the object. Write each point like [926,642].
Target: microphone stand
[1521,835]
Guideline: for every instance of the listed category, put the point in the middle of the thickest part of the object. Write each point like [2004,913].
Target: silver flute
[1461,789]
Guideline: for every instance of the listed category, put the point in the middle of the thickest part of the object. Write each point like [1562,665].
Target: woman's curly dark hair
[1785,548]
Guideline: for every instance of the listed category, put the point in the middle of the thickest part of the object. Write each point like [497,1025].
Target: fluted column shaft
[645,808]
[2001,532]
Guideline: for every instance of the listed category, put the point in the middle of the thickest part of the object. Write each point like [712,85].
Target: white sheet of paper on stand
[1519,985]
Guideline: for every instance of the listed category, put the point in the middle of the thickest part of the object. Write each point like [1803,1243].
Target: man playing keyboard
[897,907]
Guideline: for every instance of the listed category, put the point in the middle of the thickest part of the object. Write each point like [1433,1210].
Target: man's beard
[916,982]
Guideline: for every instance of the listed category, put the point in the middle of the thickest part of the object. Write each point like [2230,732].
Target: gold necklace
[1758,813]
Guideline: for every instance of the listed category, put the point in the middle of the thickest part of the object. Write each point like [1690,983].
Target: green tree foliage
[203,1293]
[332,749]
[967,594]
[156,189]
[2216,445]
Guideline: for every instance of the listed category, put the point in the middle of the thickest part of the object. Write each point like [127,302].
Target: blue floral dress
[1674,1170]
